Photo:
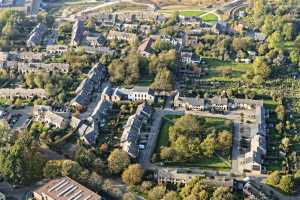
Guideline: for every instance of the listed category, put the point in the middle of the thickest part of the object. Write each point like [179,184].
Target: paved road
[235,150]
[145,157]
[95,8]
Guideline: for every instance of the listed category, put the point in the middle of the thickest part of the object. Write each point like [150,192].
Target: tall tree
[163,80]
[133,174]
[118,160]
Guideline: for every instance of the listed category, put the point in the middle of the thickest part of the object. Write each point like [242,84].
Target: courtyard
[219,161]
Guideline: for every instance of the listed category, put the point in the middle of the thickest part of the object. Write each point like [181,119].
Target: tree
[95,182]
[118,160]
[9,31]
[50,90]
[288,31]
[297,41]
[7,137]
[208,145]
[157,193]
[129,196]
[52,169]
[297,177]
[171,196]
[294,56]
[133,174]
[273,179]
[279,127]
[21,164]
[195,189]
[222,193]
[84,157]
[261,67]
[163,80]
[29,80]
[285,144]
[224,140]
[71,168]
[203,195]
[280,112]
[287,184]
[274,40]
[167,153]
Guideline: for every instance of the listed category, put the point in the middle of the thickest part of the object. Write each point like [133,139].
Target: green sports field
[211,18]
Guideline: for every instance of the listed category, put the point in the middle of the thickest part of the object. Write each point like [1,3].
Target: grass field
[211,18]
[216,68]
[205,163]
[163,138]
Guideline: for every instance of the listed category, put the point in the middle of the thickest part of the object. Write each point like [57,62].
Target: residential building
[253,159]
[22,93]
[45,114]
[141,93]
[32,7]
[64,188]
[96,41]
[116,35]
[36,35]
[38,111]
[55,119]
[193,21]
[218,103]
[7,3]
[77,32]
[246,104]
[190,58]
[137,93]
[4,56]
[29,56]
[96,77]
[132,130]
[222,28]
[25,68]
[98,116]
[190,103]
[113,94]
[145,48]
[56,49]
[98,50]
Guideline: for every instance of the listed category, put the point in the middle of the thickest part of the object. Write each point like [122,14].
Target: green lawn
[184,12]
[163,137]
[216,68]
[218,123]
[145,81]
[205,163]
[211,18]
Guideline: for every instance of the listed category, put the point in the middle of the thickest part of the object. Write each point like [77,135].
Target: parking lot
[17,118]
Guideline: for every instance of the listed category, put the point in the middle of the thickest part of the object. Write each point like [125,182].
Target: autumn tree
[133,174]
[273,178]
[118,160]
[222,193]
[163,80]
[287,184]
[157,193]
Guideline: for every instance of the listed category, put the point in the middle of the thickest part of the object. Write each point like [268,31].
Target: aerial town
[149,99]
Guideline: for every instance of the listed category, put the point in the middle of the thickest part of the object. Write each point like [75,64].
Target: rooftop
[66,189]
